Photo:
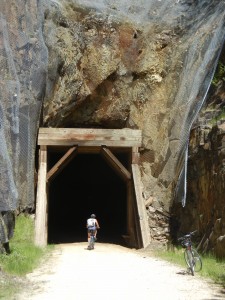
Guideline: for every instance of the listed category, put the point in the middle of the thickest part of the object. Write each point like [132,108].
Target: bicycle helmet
[93,216]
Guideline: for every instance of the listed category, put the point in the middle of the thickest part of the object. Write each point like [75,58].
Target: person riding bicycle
[92,225]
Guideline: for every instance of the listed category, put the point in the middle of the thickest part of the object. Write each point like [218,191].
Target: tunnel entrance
[85,171]
[87,185]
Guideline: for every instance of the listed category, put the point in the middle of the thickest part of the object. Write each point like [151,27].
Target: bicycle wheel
[197,260]
[92,242]
[189,260]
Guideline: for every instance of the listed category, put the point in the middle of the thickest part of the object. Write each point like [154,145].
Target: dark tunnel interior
[87,185]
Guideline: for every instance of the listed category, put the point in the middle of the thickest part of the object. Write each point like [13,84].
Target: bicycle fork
[191,260]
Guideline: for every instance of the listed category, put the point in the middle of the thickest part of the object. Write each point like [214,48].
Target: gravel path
[113,272]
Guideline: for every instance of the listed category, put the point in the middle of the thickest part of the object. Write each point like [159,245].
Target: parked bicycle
[191,256]
[91,244]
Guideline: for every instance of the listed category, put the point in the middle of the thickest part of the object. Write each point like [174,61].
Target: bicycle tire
[197,260]
[91,243]
[188,256]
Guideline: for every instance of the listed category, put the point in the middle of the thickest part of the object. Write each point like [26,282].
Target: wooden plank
[136,221]
[94,143]
[116,164]
[91,131]
[41,201]
[133,238]
[90,137]
[141,206]
[82,138]
[60,165]
[90,149]
[135,155]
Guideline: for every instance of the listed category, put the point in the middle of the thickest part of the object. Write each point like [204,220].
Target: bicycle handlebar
[193,232]
[187,235]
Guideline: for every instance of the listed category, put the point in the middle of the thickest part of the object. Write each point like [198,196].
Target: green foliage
[219,117]
[212,268]
[8,288]
[25,256]
[219,74]
[23,259]
[175,257]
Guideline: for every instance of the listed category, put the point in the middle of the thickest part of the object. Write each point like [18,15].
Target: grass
[221,116]
[24,257]
[212,268]
[219,74]
[8,288]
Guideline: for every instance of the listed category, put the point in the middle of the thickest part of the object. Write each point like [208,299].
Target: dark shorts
[92,229]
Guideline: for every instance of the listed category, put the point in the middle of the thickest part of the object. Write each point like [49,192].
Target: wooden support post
[129,208]
[41,201]
[135,155]
[140,206]
[132,238]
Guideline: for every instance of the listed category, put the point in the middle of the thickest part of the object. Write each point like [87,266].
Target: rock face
[111,71]
[23,66]
[145,66]
[205,209]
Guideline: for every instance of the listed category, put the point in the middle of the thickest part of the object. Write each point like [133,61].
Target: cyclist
[92,224]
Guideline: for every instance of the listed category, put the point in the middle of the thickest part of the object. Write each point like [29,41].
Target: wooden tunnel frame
[104,142]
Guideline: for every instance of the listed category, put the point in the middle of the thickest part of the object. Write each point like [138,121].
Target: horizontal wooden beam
[90,137]
[60,165]
[116,164]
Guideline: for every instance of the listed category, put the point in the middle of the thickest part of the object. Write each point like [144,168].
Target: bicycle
[191,256]
[91,244]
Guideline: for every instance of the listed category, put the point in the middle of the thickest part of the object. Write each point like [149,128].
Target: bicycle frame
[191,255]
[92,240]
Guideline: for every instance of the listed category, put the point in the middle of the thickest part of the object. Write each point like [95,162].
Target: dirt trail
[113,272]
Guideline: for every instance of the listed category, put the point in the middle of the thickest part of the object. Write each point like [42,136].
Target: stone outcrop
[113,72]
[23,69]
[109,71]
[144,66]
[205,208]
[158,221]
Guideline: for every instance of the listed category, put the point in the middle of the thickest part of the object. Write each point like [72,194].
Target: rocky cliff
[145,66]
[23,69]
[111,67]
[205,209]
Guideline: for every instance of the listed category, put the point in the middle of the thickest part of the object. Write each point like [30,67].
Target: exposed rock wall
[205,209]
[145,66]
[23,68]
[112,71]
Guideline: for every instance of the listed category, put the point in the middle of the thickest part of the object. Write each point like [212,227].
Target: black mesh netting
[23,64]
